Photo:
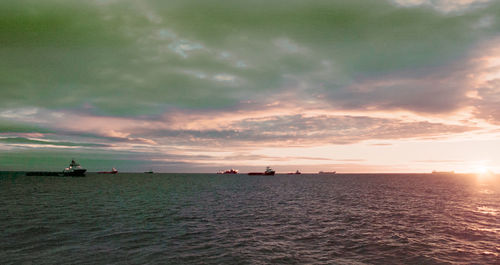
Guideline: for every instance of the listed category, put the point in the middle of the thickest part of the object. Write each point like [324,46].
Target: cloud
[224,77]
[485,22]
[256,126]
[183,47]
[21,141]
[485,79]
[299,130]
[131,57]
[440,161]
[434,90]
[7,126]
[287,46]
[445,5]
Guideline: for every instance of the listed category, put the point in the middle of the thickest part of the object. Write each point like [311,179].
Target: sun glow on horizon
[484,173]
[482,170]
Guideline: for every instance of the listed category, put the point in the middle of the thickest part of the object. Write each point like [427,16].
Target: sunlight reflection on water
[487,210]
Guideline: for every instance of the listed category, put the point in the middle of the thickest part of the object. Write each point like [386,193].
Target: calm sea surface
[240,219]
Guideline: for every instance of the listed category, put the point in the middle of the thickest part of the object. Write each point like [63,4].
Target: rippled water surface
[240,219]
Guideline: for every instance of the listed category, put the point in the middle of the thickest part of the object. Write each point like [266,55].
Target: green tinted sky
[194,85]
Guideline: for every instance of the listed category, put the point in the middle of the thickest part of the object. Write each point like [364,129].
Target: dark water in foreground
[221,219]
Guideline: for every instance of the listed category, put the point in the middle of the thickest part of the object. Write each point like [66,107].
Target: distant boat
[74,169]
[327,172]
[149,172]
[442,172]
[294,173]
[268,172]
[229,171]
[113,171]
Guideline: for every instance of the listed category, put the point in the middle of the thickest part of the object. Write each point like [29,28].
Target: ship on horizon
[74,169]
[268,172]
[113,171]
[443,172]
[229,171]
[327,172]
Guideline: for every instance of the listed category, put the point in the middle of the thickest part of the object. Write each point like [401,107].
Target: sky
[202,86]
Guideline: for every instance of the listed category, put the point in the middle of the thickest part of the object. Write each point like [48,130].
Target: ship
[268,172]
[113,171]
[295,173]
[442,172]
[229,171]
[74,169]
[327,172]
[149,172]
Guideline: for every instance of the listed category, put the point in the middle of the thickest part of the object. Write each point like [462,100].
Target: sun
[482,170]
[484,173]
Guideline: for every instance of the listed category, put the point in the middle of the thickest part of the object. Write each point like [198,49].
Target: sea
[132,218]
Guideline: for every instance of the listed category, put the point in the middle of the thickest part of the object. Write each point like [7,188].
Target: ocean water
[240,219]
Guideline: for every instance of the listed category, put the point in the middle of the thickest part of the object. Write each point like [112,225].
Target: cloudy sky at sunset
[200,86]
